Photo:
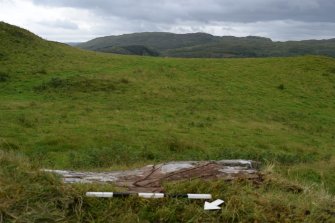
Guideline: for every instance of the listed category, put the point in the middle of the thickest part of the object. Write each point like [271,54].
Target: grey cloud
[167,11]
[276,19]
[63,24]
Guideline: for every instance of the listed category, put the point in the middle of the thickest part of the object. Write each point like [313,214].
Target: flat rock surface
[151,177]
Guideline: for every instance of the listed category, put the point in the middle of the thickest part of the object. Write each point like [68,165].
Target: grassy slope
[66,108]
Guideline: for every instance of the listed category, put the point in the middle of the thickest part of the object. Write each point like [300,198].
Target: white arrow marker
[213,205]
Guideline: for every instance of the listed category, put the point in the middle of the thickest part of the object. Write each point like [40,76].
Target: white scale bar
[150,195]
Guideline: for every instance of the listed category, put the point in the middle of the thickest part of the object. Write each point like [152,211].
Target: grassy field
[66,108]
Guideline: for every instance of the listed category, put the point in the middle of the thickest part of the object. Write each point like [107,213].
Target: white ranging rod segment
[151,195]
[99,194]
[200,196]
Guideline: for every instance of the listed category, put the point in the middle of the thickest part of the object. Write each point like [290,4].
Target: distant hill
[157,40]
[202,45]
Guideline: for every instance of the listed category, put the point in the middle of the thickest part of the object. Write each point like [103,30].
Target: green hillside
[256,47]
[131,50]
[157,40]
[202,45]
[66,108]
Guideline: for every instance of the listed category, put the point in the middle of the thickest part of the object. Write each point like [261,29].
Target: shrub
[42,71]
[177,145]
[124,80]
[55,82]
[8,145]
[3,77]
[281,87]
[2,56]
[331,70]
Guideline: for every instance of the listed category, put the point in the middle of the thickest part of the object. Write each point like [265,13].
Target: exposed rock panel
[151,177]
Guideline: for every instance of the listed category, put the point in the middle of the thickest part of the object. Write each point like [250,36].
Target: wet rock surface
[151,177]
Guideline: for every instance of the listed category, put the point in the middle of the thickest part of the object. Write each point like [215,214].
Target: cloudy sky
[81,20]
